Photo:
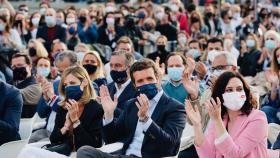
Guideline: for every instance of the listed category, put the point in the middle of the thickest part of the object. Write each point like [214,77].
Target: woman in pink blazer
[236,129]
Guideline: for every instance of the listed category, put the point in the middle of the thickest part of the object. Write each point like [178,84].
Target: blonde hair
[100,73]
[80,73]
[40,49]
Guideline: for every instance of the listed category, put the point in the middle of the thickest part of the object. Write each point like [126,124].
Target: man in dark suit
[151,124]
[51,31]
[122,86]
[10,112]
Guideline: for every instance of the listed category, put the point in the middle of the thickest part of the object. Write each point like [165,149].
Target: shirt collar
[123,85]
[175,84]
[158,96]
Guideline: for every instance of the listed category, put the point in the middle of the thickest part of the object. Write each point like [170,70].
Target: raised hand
[192,86]
[214,109]
[193,113]
[143,105]
[161,67]
[201,70]
[108,104]
[73,109]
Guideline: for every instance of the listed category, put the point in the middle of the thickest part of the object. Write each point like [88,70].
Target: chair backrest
[25,128]
[12,149]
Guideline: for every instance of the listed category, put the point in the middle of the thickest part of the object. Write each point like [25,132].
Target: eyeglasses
[219,67]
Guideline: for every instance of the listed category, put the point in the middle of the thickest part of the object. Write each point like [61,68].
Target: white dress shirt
[121,89]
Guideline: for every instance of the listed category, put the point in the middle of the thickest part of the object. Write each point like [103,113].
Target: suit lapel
[127,93]
[159,107]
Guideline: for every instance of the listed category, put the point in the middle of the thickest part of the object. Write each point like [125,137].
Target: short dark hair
[143,64]
[215,40]
[196,41]
[173,54]
[26,57]
[220,86]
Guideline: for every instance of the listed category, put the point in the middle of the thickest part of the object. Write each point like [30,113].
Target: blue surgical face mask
[50,21]
[80,56]
[43,71]
[175,73]
[270,44]
[2,27]
[194,53]
[73,92]
[278,61]
[118,76]
[150,90]
[250,43]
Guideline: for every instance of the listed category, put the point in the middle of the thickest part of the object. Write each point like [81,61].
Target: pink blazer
[248,139]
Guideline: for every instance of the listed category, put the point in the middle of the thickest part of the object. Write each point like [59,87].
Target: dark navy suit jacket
[10,112]
[162,138]
[128,93]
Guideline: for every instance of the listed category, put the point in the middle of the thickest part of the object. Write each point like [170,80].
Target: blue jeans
[271,114]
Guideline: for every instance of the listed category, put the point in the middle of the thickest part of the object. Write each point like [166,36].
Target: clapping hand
[143,105]
[193,113]
[191,85]
[108,104]
[161,67]
[73,109]
[214,108]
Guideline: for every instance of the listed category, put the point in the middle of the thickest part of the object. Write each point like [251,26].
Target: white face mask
[212,54]
[109,9]
[70,20]
[110,21]
[234,100]
[174,8]
[35,21]
[80,56]
[217,73]
[159,15]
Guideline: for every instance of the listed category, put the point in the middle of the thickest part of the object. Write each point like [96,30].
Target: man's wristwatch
[144,119]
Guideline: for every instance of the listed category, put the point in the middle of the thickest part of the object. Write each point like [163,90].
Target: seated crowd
[175,79]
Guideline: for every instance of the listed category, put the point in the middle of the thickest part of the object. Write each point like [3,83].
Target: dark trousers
[90,152]
[189,152]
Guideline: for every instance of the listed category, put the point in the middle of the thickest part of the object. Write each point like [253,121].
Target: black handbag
[64,148]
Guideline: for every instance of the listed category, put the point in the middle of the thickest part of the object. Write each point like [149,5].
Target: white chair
[25,128]
[38,122]
[12,149]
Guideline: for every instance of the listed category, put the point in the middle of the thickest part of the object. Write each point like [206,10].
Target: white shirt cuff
[147,124]
[221,138]
[107,121]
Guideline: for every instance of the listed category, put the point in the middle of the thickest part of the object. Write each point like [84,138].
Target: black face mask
[32,52]
[82,19]
[91,69]
[19,74]
[209,15]
[161,48]
[148,27]
[204,46]
[18,23]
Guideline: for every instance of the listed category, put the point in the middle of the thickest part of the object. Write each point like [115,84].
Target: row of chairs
[12,149]
[26,126]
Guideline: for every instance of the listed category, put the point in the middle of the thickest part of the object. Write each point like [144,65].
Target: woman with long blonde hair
[36,50]
[95,68]
[78,120]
